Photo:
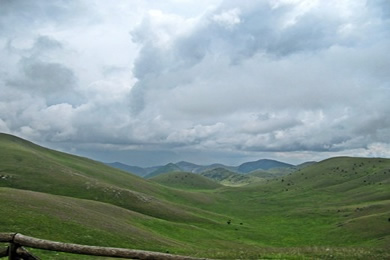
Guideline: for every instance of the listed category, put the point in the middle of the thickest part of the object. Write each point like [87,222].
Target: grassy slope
[342,201]
[229,178]
[91,222]
[27,166]
[170,167]
[186,180]
[337,207]
[272,173]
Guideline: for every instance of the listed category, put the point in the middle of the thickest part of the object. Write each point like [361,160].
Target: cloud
[38,71]
[280,60]
[24,15]
[228,19]
[231,79]
[45,76]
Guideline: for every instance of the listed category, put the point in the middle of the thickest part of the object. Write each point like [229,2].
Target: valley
[336,208]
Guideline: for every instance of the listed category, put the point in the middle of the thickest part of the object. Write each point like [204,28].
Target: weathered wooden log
[6,237]
[94,250]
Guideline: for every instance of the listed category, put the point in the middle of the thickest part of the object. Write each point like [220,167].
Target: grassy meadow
[338,208]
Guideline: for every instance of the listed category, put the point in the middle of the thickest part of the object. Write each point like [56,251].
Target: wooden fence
[16,251]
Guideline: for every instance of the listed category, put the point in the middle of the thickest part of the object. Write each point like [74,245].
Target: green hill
[351,193]
[229,178]
[27,166]
[263,164]
[272,173]
[170,167]
[131,169]
[185,180]
[338,208]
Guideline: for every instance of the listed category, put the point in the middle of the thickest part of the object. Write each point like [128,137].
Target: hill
[185,180]
[272,173]
[337,208]
[264,164]
[279,172]
[305,164]
[170,167]
[139,171]
[187,166]
[344,174]
[27,166]
[229,178]
[351,192]
[183,166]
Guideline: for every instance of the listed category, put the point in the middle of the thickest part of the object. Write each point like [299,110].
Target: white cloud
[228,18]
[235,79]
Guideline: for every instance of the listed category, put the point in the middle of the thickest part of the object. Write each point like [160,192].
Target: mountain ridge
[184,166]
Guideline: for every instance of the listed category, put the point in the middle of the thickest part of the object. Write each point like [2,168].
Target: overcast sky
[151,82]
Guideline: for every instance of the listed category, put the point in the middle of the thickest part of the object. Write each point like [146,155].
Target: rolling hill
[170,167]
[186,180]
[185,167]
[263,164]
[188,167]
[337,208]
[139,171]
[27,166]
[229,178]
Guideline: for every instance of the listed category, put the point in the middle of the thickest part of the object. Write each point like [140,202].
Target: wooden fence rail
[17,242]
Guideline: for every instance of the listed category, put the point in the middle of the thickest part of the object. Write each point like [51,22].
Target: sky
[147,82]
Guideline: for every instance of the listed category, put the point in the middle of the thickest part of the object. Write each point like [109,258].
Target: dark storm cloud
[38,74]
[45,77]
[18,16]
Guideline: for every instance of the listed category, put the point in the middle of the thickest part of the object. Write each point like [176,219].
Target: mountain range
[183,166]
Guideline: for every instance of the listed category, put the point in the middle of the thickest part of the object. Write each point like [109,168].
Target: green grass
[337,208]
[229,178]
[186,181]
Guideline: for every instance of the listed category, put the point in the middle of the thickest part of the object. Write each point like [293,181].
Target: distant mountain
[183,166]
[170,167]
[188,167]
[128,168]
[280,171]
[263,164]
[216,166]
[195,168]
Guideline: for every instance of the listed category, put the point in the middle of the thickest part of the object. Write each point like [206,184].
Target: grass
[338,208]
[186,181]
[229,178]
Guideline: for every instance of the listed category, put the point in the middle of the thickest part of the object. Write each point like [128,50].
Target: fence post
[25,255]
[12,255]
[4,252]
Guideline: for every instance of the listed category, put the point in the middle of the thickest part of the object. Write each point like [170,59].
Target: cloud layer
[202,81]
